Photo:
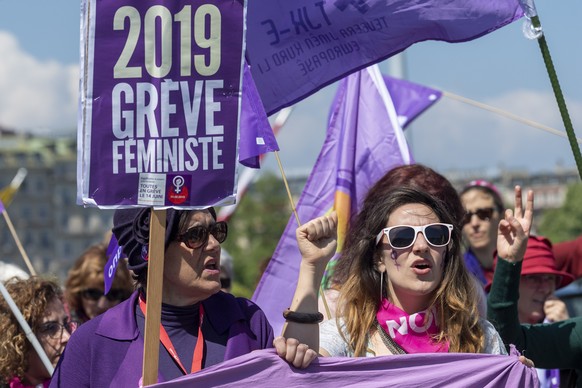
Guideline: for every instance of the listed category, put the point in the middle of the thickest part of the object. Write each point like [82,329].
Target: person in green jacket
[550,346]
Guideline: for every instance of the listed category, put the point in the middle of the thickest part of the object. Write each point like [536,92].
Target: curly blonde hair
[31,296]
[455,298]
[88,268]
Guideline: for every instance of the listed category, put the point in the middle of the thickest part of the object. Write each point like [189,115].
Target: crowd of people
[423,269]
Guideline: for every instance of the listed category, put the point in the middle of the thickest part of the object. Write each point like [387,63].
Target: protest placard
[160,102]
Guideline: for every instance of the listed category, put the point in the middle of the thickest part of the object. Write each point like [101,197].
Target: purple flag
[114,253]
[1,206]
[256,135]
[263,368]
[364,140]
[297,47]
[410,99]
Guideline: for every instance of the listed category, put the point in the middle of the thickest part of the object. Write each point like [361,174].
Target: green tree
[564,223]
[255,230]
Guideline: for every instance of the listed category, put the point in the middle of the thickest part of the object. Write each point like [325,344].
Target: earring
[393,255]
[381,284]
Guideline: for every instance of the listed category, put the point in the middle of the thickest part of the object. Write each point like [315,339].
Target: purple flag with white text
[364,140]
[114,254]
[297,47]
[263,368]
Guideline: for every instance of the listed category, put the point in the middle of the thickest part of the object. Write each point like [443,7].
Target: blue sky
[39,60]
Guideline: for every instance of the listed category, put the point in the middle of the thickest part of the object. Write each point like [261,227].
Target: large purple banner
[160,101]
[297,47]
[263,368]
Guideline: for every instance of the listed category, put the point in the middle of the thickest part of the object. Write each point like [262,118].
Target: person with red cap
[536,303]
[539,280]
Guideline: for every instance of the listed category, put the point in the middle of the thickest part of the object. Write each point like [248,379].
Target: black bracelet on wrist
[296,317]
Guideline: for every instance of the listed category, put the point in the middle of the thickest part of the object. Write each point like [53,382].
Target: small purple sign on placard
[160,102]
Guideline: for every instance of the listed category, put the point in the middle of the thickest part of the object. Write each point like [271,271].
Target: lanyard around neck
[165,339]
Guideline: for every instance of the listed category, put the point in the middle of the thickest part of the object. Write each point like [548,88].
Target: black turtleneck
[181,324]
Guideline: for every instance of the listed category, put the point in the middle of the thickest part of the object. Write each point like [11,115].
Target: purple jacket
[108,349]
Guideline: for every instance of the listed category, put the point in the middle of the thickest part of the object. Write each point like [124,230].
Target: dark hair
[426,179]
[131,227]
[180,220]
[497,200]
[360,245]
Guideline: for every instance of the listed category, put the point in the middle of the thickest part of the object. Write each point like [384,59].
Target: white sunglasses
[404,236]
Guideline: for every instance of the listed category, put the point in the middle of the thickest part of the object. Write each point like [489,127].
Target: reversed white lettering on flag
[260,141]
[151,191]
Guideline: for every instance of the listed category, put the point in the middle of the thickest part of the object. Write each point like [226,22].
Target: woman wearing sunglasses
[407,290]
[84,288]
[200,325]
[41,303]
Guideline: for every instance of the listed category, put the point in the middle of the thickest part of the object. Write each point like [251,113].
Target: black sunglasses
[197,236]
[96,294]
[483,214]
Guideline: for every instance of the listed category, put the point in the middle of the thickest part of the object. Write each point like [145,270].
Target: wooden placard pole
[154,297]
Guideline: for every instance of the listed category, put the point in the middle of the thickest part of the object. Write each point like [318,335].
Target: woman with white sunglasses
[407,291]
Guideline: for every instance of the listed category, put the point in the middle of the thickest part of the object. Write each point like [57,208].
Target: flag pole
[535,32]
[155,268]
[321,290]
[248,174]
[277,125]
[18,244]
[27,330]
[287,188]
[7,194]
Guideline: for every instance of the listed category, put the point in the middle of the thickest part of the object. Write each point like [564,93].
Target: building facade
[51,227]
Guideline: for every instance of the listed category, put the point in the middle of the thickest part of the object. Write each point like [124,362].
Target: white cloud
[451,135]
[36,96]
